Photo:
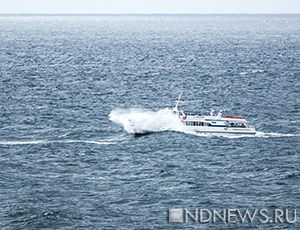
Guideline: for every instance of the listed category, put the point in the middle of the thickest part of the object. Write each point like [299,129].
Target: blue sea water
[65,163]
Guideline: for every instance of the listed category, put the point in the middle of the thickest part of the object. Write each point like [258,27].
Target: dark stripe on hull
[233,133]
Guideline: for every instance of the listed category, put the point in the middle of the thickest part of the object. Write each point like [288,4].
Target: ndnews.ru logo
[179,215]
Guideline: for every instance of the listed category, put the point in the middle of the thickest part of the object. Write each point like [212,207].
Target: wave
[147,121]
[292,175]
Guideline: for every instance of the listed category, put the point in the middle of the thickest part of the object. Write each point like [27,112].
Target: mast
[176,107]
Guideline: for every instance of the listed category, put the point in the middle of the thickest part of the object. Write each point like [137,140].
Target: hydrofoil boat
[198,122]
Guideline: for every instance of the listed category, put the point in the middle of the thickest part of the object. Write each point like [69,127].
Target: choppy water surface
[68,82]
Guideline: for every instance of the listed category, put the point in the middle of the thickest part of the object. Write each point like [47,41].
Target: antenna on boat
[176,107]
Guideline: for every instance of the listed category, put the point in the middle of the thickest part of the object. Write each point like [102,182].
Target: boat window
[195,123]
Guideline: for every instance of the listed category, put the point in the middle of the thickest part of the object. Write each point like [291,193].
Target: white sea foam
[142,120]
[266,135]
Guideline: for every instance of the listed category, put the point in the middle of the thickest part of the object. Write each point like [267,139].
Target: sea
[69,84]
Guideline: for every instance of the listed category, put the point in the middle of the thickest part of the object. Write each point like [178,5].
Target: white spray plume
[142,120]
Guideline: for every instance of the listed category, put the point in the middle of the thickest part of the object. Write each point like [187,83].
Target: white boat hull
[222,130]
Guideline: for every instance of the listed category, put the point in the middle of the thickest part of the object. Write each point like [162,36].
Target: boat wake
[43,142]
[267,135]
[145,121]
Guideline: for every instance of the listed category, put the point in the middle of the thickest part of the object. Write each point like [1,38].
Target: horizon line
[93,14]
